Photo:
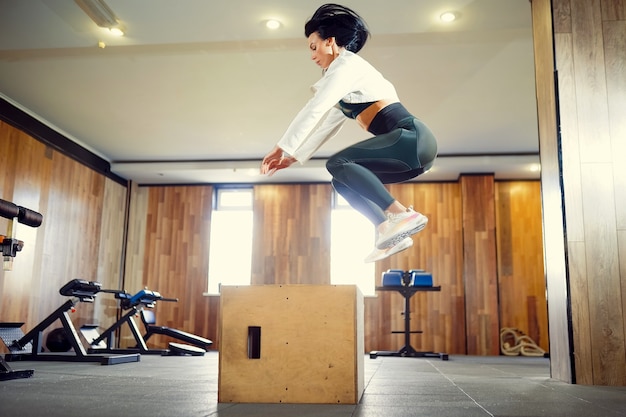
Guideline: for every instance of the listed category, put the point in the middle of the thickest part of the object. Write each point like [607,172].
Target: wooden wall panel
[521,283]
[621,236]
[479,265]
[613,10]
[24,163]
[562,17]
[614,33]
[614,47]
[291,234]
[76,204]
[581,332]
[176,220]
[136,237]
[111,244]
[589,83]
[608,343]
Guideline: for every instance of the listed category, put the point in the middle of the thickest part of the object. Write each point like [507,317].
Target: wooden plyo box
[311,344]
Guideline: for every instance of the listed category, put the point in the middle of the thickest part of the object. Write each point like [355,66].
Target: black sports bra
[352,110]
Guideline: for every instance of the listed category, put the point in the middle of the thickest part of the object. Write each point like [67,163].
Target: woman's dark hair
[345,25]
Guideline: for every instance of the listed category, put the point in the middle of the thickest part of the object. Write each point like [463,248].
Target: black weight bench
[149,320]
[136,304]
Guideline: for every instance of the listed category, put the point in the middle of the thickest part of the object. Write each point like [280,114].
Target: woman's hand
[275,161]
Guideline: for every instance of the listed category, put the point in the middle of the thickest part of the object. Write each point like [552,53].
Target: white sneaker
[400,226]
[379,254]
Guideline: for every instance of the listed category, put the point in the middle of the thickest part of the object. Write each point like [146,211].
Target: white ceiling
[199,90]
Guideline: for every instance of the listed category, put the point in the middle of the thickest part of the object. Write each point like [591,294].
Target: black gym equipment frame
[7,373]
[149,322]
[407,350]
[135,304]
[29,347]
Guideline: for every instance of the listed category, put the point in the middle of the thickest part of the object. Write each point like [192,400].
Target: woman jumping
[402,148]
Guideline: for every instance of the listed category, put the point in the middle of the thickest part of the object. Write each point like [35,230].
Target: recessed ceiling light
[272,24]
[116,31]
[448,17]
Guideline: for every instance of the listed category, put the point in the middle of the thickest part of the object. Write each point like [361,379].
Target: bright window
[230,250]
[351,240]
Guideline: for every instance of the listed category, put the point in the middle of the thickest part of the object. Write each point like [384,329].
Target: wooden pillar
[480,265]
[583,178]
[561,358]
[589,46]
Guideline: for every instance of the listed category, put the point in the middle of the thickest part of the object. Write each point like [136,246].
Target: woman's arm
[319,117]
[276,160]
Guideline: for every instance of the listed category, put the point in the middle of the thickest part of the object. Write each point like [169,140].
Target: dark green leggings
[361,170]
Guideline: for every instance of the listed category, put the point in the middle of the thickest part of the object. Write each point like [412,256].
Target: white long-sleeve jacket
[349,78]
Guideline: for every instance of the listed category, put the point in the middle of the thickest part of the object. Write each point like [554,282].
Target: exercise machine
[407,283]
[9,247]
[137,304]
[29,346]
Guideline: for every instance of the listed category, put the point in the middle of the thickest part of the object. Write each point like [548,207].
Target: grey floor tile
[548,409]
[421,411]
[408,389]
[422,400]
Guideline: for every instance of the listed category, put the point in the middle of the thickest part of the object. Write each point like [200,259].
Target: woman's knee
[335,163]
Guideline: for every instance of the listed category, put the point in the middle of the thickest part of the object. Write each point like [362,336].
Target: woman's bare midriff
[364,119]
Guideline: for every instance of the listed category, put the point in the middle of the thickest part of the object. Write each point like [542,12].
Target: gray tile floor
[394,387]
